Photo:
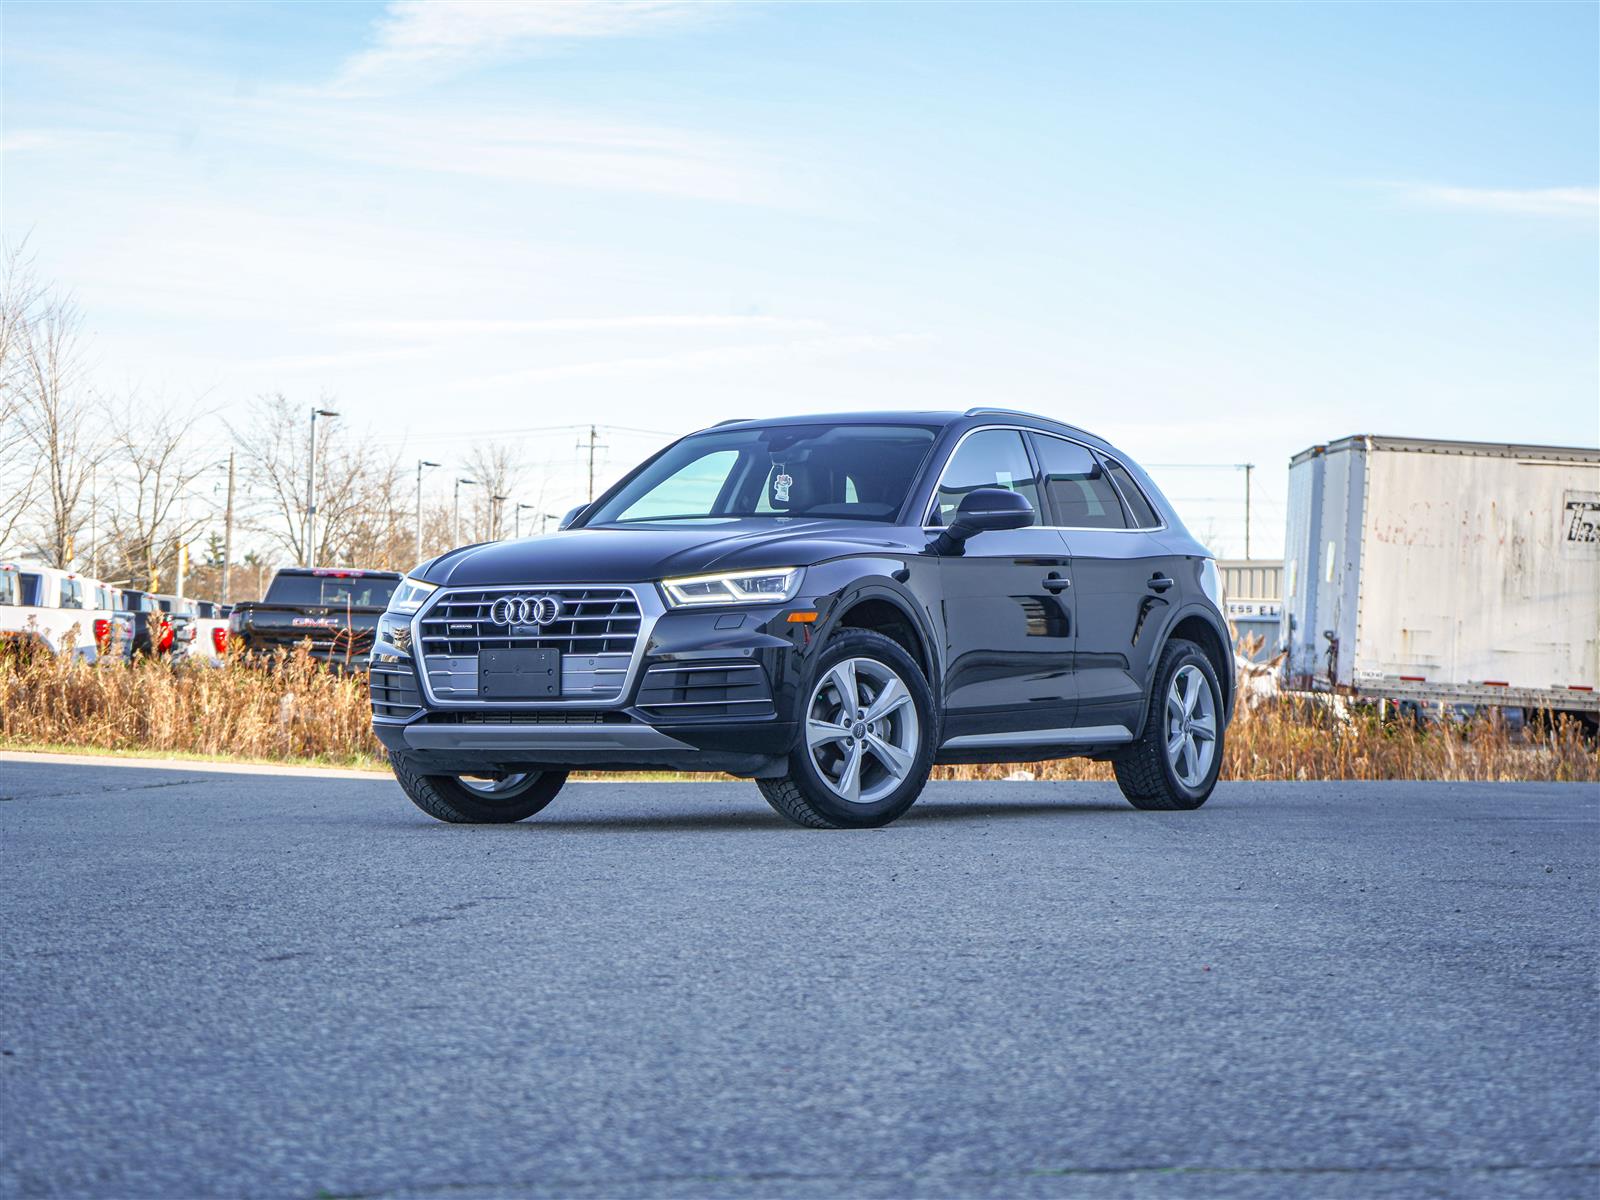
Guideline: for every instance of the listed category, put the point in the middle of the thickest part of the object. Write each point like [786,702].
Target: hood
[637,554]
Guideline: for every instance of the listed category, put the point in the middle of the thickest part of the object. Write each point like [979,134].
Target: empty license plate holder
[519,674]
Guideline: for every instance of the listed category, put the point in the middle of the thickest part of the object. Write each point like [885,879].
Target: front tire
[1175,764]
[868,731]
[478,799]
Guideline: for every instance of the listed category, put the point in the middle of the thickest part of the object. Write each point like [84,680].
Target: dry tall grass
[1289,738]
[296,711]
[299,712]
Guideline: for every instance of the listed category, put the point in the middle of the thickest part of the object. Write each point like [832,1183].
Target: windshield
[854,472]
[332,590]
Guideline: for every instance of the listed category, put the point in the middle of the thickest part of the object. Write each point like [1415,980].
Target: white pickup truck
[209,646]
[61,611]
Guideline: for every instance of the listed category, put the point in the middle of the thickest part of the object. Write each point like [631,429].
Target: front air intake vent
[698,691]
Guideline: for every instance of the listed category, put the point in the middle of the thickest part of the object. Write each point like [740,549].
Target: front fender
[837,587]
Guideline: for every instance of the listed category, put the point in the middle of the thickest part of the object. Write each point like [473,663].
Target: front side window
[990,458]
[849,472]
[10,593]
[1080,490]
[1144,513]
[71,594]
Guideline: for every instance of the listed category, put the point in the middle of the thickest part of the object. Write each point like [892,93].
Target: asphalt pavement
[300,986]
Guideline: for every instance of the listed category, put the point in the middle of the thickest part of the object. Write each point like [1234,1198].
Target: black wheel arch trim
[931,659]
[1175,617]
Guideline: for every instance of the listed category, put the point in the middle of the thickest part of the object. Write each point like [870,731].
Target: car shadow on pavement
[761,820]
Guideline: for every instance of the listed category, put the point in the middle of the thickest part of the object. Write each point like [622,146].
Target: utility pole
[592,445]
[495,509]
[1248,467]
[457,517]
[311,488]
[518,517]
[227,538]
[183,542]
[421,464]
[94,520]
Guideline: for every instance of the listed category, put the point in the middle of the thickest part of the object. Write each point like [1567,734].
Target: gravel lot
[272,985]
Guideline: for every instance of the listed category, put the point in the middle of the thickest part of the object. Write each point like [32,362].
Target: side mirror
[572,515]
[984,510]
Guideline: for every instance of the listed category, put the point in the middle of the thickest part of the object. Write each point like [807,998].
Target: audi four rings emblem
[524,610]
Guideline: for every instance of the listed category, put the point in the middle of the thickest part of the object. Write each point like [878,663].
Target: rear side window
[1079,489]
[1144,513]
[71,593]
[986,459]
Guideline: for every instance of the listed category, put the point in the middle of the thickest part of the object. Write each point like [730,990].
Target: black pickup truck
[335,609]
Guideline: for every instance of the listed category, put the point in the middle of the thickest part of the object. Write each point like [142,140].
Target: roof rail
[989,410]
[730,421]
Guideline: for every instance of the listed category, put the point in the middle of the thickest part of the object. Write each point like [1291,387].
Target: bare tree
[360,504]
[55,422]
[19,463]
[497,467]
[152,469]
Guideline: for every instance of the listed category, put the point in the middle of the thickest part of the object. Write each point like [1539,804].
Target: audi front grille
[597,632]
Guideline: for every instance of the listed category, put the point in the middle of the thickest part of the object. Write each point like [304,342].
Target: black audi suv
[829,605]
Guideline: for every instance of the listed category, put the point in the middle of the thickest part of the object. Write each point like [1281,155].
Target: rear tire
[868,731]
[1175,764]
[480,800]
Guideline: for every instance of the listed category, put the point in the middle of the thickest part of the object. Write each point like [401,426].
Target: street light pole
[520,507]
[421,463]
[494,515]
[311,488]
[457,518]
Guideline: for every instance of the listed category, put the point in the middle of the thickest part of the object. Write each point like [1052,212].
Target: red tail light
[102,630]
[164,642]
[219,639]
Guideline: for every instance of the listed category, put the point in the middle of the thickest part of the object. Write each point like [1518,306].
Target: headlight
[772,586]
[408,597]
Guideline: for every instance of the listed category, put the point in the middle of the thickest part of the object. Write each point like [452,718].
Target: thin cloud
[715,358]
[533,147]
[1528,202]
[432,38]
[469,328]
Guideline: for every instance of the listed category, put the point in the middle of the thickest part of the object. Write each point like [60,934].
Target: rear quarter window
[1144,513]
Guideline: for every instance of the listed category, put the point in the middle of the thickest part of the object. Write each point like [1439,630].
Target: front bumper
[711,690]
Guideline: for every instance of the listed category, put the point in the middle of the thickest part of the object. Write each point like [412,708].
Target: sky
[1213,234]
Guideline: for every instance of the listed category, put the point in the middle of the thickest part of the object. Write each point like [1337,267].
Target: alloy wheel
[1191,726]
[862,731]
[502,787]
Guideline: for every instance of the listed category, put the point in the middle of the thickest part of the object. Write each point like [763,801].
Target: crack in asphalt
[952,1176]
[106,791]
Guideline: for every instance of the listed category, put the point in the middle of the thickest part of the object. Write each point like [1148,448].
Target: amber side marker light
[802,618]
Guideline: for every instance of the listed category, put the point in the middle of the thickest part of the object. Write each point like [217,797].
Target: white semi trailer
[1457,572]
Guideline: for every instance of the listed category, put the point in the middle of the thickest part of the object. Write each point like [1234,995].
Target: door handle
[1160,583]
[1056,583]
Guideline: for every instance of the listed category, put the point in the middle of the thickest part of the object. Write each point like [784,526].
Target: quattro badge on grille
[525,610]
